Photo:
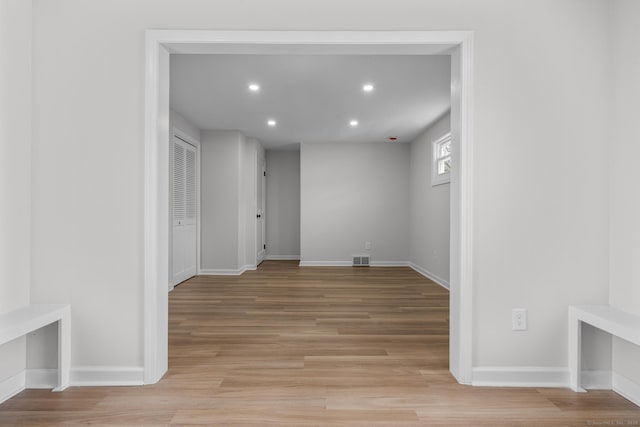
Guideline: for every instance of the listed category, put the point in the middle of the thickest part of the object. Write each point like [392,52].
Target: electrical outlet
[519,319]
[367,245]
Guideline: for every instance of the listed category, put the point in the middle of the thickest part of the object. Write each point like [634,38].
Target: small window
[441,165]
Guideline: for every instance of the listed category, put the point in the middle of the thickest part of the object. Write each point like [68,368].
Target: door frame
[158,46]
[261,170]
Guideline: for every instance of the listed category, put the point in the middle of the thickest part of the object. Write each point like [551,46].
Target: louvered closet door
[184,211]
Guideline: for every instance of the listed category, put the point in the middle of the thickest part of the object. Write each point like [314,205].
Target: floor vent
[361,260]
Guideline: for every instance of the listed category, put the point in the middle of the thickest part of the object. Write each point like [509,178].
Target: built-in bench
[22,321]
[616,322]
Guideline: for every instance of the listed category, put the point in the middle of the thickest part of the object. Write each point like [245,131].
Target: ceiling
[312,98]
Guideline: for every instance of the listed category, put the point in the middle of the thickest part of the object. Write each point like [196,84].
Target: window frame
[443,178]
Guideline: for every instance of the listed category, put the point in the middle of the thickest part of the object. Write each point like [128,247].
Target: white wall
[283,204]
[15,173]
[540,225]
[539,96]
[228,201]
[352,194]
[624,200]
[429,208]
[220,199]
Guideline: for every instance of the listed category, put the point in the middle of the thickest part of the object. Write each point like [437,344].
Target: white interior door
[185,209]
[260,214]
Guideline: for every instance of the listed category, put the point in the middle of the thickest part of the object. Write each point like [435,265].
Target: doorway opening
[159,45]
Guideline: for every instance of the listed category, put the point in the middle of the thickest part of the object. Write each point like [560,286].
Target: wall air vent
[361,260]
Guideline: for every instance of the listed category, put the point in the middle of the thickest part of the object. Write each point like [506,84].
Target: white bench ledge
[609,319]
[22,321]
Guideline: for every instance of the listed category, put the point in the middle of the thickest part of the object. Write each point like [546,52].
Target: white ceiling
[312,97]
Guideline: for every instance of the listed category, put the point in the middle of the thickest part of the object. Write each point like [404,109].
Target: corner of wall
[430,209]
[16,87]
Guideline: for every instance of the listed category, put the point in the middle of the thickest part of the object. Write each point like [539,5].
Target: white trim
[225,271]
[281,257]
[389,264]
[305,42]
[325,264]
[12,386]
[349,263]
[533,376]
[261,170]
[433,277]
[597,380]
[41,378]
[498,376]
[85,376]
[96,376]
[459,44]
[461,245]
[626,388]
[185,137]
[526,376]
[156,209]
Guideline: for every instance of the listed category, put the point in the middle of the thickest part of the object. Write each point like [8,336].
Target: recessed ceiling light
[254,87]
[271,122]
[367,87]
[353,123]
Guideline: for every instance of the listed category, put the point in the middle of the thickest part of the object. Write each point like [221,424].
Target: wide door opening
[456,44]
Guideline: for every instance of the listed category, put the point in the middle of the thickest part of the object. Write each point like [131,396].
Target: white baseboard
[349,264]
[248,268]
[520,377]
[42,378]
[597,380]
[84,376]
[325,264]
[225,272]
[389,264]
[626,388]
[538,377]
[12,386]
[94,376]
[282,257]
[426,273]
[107,376]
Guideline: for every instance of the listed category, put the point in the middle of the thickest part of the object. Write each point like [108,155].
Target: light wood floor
[313,346]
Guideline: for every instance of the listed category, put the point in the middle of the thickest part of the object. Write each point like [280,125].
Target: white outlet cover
[519,319]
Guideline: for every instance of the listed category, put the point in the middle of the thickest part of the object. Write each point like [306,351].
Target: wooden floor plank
[285,345]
